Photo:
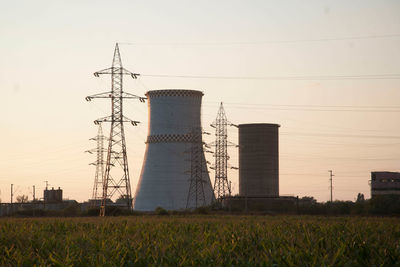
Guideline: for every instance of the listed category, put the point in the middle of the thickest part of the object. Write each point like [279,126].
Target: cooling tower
[258,160]
[166,171]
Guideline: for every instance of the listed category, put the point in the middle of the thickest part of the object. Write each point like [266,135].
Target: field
[201,240]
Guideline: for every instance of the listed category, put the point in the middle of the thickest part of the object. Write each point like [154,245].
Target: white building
[166,171]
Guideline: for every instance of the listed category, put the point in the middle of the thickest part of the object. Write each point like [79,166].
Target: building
[385,183]
[259,171]
[259,160]
[174,130]
[53,195]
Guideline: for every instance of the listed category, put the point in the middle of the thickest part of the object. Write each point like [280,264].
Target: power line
[282,78]
[343,135]
[309,106]
[364,37]
[323,110]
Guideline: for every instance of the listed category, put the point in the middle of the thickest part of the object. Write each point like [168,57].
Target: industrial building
[259,171]
[167,171]
[259,160]
[385,183]
[53,195]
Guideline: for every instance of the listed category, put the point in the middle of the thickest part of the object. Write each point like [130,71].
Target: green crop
[201,240]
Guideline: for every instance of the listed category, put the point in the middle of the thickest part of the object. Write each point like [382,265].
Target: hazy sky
[50,49]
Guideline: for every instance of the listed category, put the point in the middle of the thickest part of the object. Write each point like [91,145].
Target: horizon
[329,76]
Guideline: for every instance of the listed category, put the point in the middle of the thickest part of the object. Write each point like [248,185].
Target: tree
[309,200]
[360,198]
[22,199]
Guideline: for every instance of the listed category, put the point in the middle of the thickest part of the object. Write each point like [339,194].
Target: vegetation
[200,240]
[22,199]
[379,205]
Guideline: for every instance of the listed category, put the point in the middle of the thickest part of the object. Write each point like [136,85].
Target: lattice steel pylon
[116,175]
[196,197]
[99,163]
[221,184]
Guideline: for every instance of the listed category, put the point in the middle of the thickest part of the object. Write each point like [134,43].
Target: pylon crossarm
[104,71]
[100,95]
[110,119]
[104,119]
[212,143]
[132,96]
[118,70]
[230,144]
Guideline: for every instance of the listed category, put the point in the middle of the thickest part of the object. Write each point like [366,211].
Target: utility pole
[34,193]
[116,177]
[330,179]
[99,163]
[12,194]
[44,194]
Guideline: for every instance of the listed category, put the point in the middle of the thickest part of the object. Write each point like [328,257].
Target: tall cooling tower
[259,160]
[166,171]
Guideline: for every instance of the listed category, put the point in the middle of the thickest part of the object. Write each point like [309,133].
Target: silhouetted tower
[99,163]
[221,183]
[116,176]
[196,197]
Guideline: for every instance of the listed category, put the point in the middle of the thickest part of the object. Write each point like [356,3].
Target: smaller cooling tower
[174,126]
[258,160]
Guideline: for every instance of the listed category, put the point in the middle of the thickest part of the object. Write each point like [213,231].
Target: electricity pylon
[196,197]
[99,163]
[116,176]
[221,184]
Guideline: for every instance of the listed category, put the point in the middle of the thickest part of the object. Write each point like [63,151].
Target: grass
[201,240]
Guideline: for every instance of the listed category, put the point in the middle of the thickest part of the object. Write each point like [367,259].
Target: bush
[201,210]
[161,211]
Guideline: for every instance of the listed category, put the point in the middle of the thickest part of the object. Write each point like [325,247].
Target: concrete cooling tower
[166,171]
[259,160]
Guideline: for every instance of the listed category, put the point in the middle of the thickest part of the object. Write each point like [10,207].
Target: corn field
[205,240]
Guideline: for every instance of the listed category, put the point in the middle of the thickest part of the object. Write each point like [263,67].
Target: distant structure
[167,171]
[385,183]
[53,195]
[116,176]
[259,171]
[259,160]
[196,196]
[221,184]
[97,192]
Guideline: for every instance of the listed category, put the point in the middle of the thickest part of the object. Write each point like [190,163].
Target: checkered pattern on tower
[181,93]
[172,138]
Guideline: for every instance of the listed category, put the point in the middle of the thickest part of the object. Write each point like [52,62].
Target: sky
[315,67]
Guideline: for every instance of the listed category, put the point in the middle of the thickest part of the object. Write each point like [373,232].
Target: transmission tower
[196,197]
[99,163]
[116,176]
[221,183]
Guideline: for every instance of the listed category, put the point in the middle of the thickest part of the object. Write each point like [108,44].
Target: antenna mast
[116,176]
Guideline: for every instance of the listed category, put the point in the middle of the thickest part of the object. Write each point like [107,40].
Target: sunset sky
[327,71]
